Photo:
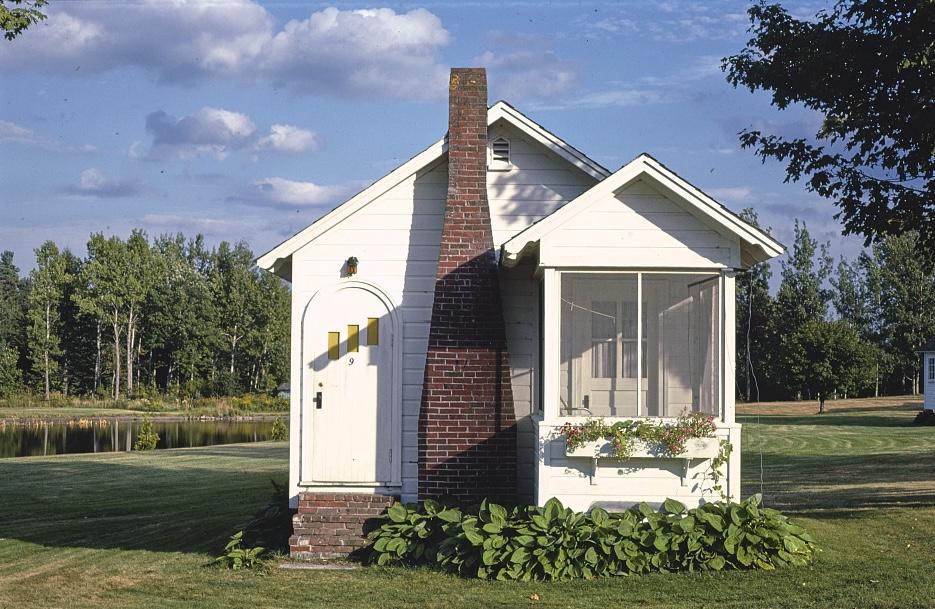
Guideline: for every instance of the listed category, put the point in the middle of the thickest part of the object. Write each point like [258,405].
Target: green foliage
[838,359]
[46,286]
[754,310]
[669,438]
[868,68]
[12,303]
[10,377]
[134,317]
[147,438]
[271,527]
[555,543]
[236,556]
[13,21]
[269,531]
[280,431]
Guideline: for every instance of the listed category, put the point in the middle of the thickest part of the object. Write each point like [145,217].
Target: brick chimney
[467,435]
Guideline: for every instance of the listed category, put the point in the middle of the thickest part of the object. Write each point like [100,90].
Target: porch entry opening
[639,344]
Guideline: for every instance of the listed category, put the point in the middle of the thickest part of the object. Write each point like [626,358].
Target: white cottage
[450,318]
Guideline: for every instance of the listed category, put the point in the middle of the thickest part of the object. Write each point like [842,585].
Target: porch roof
[756,244]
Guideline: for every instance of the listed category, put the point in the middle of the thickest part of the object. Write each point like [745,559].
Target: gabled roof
[277,260]
[760,245]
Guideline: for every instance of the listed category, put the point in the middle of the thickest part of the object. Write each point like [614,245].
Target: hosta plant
[554,542]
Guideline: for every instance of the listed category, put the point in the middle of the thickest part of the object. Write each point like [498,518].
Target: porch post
[728,350]
[551,343]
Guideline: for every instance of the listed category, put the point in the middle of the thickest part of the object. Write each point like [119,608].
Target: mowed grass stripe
[134,531]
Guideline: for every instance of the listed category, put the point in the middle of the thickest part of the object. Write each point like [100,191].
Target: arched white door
[348,389]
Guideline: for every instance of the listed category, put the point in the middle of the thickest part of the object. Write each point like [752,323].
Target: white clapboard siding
[520,294]
[538,184]
[638,227]
[396,239]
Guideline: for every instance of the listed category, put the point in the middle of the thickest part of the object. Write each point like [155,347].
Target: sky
[248,120]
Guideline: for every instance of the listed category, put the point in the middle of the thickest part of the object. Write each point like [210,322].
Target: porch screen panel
[599,344]
[705,330]
[684,344]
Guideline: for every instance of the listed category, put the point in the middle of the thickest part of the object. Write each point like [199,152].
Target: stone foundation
[334,525]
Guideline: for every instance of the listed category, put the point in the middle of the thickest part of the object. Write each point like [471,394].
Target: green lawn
[135,530]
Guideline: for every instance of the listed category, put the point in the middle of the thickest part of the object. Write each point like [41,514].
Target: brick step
[334,525]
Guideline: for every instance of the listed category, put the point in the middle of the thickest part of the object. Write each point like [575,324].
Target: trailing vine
[714,469]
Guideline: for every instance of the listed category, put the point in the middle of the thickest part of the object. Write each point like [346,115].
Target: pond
[38,437]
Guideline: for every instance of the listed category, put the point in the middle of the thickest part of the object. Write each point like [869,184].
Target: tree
[801,300]
[80,334]
[46,286]
[838,359]
[267,342]
[233,282]
[754,311]
[12,293]
[181,328]
[868,67]
[907,294]
[10,376]
[857,299]
[24,14]
[136,288]
[103,293]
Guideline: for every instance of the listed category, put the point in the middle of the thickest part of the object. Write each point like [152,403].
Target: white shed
[450,318]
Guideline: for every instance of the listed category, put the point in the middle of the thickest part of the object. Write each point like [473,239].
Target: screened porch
[638,344]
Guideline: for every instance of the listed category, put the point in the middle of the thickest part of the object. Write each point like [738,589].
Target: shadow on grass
[166,501]
[806,483]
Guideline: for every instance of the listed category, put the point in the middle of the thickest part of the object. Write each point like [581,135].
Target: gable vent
[500,155]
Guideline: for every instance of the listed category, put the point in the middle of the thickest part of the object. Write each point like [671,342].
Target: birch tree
[104,293]
[46,286]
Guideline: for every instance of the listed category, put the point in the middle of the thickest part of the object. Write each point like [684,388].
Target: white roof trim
[501,109]
[273,259]
[521,243]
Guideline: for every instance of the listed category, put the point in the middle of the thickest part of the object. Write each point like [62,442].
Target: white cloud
[11,132]
[332,52]
[668,87]
[527,74]
[210,131]
[93,183]
[214,227]
[523,66]
[288,139]
[677,23]
[733,194]
[279,191]
[216,132]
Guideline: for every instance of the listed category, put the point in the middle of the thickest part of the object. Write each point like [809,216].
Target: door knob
[317,400]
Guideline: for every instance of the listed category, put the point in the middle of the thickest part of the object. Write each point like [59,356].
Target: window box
[695,448]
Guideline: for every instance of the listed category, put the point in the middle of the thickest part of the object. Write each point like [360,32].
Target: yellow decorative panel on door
[373,331]
[353,338]
[334,345]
